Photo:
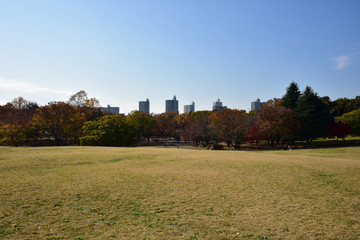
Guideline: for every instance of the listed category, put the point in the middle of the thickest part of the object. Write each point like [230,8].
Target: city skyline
[121,51]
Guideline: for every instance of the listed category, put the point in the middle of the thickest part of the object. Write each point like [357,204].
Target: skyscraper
[189,108]
[255,106]
[218,105]
[144,106]
[172,105]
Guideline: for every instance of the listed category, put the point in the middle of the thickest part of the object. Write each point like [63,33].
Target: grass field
[170,193]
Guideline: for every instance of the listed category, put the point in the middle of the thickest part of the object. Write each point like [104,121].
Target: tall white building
[218,105]
[255,106]
[189,108]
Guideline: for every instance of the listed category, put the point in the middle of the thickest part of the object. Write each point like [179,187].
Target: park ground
[177,193]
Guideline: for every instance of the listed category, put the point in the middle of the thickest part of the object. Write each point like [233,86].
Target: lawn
[174,193]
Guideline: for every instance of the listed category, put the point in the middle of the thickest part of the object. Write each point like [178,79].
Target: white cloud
[10,89]
[21,86]
[342,62]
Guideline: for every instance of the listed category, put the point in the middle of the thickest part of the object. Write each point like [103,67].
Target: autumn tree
[230,126]
[339,130]
[18,112]
[201,131]
[11,135]
[60,121]
[195,127]
[276,122]
[183,120]
[15,135]
[144,124]
[15,122]
[352,119]
[182,123]
[344,105]
[89,106]
[79,99]
[200,114]
[191,134]
[254,135]
[21,103]
[165,124]
[8,114]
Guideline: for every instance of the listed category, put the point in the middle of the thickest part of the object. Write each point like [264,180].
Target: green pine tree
[291,96]
[313,115]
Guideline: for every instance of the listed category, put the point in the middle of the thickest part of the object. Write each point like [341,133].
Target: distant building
[144,106]
[189,108]
[172,105]
[255,106]
[218,105]
[113,110]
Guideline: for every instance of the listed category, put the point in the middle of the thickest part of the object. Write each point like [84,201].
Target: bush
[217,147]
[89,141]
[110,130]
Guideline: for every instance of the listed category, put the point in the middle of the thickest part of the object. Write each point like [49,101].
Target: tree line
[297,116]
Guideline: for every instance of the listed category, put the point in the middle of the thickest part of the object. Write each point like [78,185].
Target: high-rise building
[172,105]
[255,106]
[113,110]
[144,106]
[218,105]
[189,108]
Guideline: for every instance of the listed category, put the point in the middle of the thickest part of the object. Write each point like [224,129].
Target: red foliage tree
[253,135]
[276,122]
[230,125]
[339,130]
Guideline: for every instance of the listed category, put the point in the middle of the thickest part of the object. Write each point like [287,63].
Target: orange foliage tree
[60,121]
[276,122]
[230,125]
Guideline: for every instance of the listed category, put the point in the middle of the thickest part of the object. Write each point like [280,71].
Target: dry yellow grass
[170,193]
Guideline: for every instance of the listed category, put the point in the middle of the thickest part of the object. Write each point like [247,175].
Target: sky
[122,52]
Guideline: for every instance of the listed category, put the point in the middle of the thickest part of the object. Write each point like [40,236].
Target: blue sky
[122,52]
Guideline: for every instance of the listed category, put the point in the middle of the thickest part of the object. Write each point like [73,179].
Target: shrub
[110,130]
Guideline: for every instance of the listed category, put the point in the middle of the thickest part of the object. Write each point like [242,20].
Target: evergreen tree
[291,96]
[313,115]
